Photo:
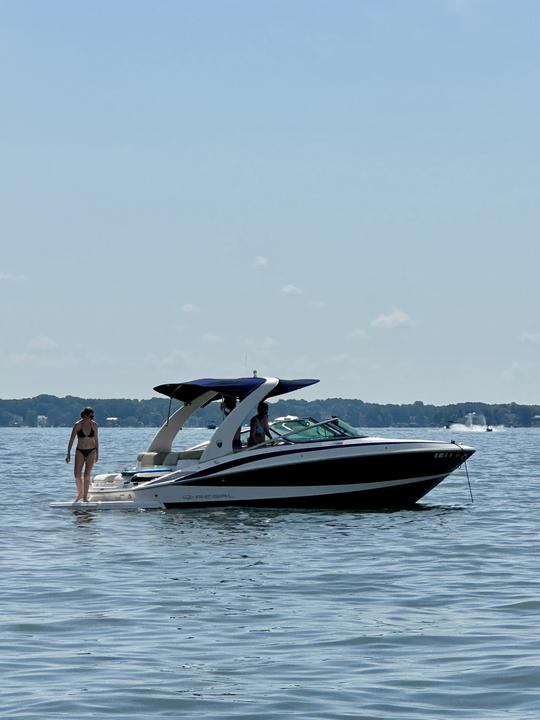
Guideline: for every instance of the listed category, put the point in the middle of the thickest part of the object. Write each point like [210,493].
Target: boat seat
[170,459]
[151,459]
[173,457]
[191,454]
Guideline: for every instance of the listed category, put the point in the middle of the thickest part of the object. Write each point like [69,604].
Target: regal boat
[306,463]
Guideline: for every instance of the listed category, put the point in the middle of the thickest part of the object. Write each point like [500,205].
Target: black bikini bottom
[86,451]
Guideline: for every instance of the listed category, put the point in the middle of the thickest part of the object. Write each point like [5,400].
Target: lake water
[430,613]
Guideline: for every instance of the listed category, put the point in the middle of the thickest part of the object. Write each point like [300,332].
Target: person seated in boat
[86,454]
[228,405]
[258,427]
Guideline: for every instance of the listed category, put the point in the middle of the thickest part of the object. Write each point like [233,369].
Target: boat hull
[352,498]
[385,477]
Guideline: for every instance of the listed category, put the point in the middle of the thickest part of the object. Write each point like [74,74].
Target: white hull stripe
[202,493]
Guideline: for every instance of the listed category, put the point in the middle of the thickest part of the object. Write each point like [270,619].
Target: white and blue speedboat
[306,463]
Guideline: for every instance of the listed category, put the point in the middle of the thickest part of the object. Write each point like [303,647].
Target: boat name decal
[210,496]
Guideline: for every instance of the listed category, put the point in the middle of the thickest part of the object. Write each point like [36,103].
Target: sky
[342,190]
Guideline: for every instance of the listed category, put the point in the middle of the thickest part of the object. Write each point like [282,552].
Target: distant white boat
[473,422]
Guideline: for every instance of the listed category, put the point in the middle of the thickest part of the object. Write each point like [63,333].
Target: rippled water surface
[428,613]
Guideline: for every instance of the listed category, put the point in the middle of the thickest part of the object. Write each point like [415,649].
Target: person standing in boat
[258,427]
[228,405]
[87,452]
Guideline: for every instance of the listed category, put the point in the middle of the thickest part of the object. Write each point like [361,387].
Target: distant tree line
[52,411]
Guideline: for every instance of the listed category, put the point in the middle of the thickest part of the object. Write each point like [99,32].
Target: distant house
[42,420]
[111,422]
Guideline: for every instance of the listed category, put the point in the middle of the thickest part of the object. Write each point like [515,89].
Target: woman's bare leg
[90,460]
[77,471]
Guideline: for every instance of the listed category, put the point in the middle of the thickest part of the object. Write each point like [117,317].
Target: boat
[472,422]
[306,462]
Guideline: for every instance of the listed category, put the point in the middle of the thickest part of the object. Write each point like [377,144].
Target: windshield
[310,430]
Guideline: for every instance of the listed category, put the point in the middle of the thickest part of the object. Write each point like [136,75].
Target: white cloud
[7,276]
[458,6]
[101,360]
[189,308]
[261,261]
[530,337]
[340,358]
[345,360]
[357,334]
[264,343]
[318,304]
[32,360]
[291,290]
[525,374]
[211,338]
[177,358]
[397,318]
[42,342]
[21,359]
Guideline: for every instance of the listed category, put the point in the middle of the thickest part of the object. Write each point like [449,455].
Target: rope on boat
[468,481]
[466,472]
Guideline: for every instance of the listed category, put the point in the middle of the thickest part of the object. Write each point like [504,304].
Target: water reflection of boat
[305,463]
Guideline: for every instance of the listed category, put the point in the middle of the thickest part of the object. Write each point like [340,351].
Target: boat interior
[289,430]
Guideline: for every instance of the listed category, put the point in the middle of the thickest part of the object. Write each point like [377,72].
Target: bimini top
[237,387]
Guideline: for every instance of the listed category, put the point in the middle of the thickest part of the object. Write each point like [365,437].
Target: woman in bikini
[258,427]
[86,454]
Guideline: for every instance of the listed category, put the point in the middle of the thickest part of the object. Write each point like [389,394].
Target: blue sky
[341,190]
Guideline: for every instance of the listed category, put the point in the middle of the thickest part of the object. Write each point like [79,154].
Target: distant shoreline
[53,411]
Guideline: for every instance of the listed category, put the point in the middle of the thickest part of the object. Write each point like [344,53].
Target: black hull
[300,478]
[297,468]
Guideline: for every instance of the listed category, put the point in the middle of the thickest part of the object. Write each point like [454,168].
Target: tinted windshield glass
[345,428]
[309,430]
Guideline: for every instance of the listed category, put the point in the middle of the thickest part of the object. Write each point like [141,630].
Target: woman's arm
[70,443]
[97,441]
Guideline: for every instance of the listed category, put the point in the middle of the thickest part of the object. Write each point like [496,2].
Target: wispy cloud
[458,6]
[260,261]
[530,337]
[264,343]
[291,290]
[177,358]
[340,358]
[318,303]
[357,334]
[42,342]
[15,359]
[211,338]
[8,276]
[397,318]
[522,373]
[36,361]
[189,308]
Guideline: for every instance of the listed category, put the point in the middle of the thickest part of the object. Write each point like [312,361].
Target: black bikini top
[81,434]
